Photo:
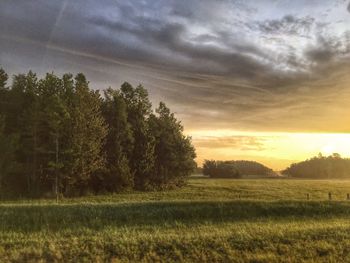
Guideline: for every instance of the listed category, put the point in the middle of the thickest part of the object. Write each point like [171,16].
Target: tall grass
[207,221]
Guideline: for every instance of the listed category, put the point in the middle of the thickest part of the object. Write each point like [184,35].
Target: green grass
[209,220]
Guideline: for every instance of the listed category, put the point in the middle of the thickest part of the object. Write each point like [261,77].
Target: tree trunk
[56,171]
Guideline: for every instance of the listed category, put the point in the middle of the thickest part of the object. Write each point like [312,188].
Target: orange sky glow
[275,149]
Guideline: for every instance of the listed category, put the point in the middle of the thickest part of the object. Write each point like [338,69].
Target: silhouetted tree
[58,136]
[320,167]
[8,164]
[234,169]
[220,169]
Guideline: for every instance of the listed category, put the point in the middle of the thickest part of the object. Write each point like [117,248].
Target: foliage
[141,158]
[88,134]
[70,140]
[118,145]
[322,167]
[173,151]
[234,169]
[8,164]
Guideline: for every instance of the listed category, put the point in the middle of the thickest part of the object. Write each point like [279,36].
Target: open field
[208,220]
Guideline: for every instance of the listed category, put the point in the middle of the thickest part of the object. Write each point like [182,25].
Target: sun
[328,149]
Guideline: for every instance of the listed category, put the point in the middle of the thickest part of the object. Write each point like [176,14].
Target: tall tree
[66,156]
[22,118]
[3,78]
[3,95]
[142,157]
[59,136]
[88,134]
[174,154]
[8,164]
[119,142]
[53,122]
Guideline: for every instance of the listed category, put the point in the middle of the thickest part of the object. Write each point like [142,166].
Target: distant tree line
[320,167]
[57,135]
[234,169]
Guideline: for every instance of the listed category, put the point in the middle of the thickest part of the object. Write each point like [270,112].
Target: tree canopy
[234,169]
[59,136]
[320,167]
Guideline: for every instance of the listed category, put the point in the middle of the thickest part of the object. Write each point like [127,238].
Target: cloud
[324,51]
[170,41]
[244,143]
[288,25]
[217,65]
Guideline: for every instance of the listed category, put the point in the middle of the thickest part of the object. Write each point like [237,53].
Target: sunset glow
[276,149]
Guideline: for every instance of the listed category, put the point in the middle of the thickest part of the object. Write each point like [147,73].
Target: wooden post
[330,196]
[308,196]
[348,196]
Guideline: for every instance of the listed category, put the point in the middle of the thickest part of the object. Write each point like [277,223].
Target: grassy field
[221,220]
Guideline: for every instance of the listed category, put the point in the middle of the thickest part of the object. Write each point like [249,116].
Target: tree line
[59,136]
[234,169]
[321,167]
[318,167]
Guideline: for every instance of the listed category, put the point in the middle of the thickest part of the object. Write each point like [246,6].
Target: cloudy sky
[266,80]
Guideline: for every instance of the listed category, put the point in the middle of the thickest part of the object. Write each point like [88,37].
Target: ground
[209,220]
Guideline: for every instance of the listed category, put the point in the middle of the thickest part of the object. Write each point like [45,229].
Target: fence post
[348,196]
[330,196]
[308,196]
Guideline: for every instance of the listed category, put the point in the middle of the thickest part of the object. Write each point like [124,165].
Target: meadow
[209,220]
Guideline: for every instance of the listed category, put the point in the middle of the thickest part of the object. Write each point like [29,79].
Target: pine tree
[4,106]
[174,154]
[142,157]
[59,136]
[88,134]
[8,144]
[67,98]
[54,116]
[3,78]
[22,118]
[119,143]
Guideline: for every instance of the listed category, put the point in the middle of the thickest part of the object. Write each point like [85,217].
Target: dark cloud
[323,52]
[289,24]
[328,49]
[159,38]
[224,64]
[320,55]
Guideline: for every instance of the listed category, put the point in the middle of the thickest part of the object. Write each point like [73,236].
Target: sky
[263,80]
